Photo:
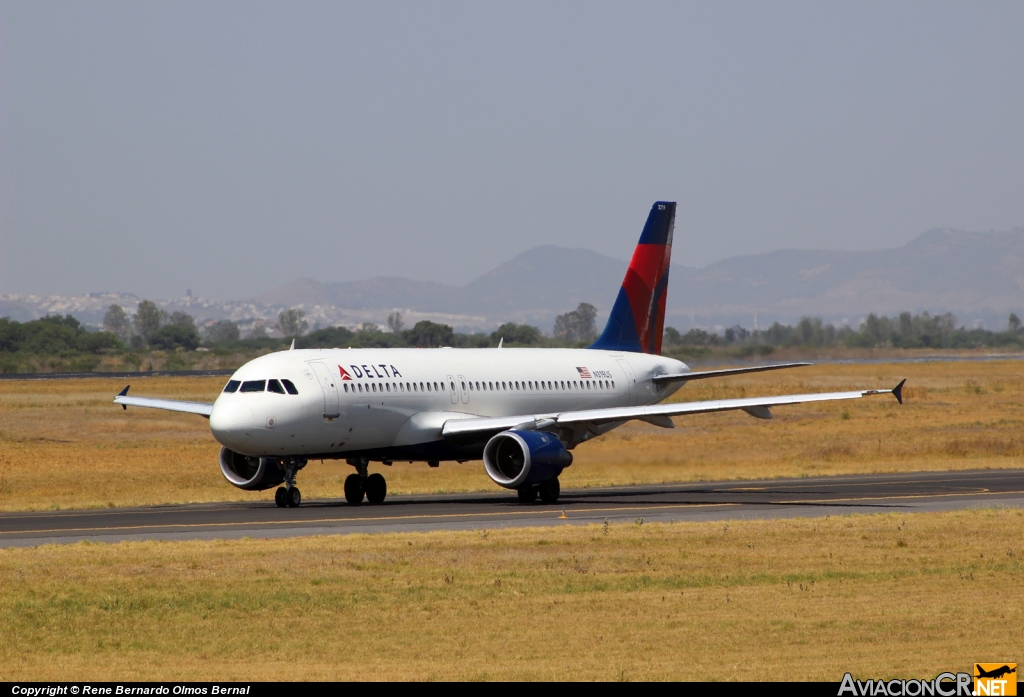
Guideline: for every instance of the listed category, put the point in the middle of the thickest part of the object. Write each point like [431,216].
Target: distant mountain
[977,276]
[532,287]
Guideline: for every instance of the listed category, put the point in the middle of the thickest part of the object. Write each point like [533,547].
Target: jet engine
[250,473]
[514,459]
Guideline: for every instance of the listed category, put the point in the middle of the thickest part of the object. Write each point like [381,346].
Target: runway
[770,498]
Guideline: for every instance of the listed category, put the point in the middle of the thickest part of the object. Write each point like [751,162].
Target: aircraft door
[630,381]
[465,392]
[453,390]
[330,388]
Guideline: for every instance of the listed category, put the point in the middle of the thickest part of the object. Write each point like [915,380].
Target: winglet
[124,393]
[898,391]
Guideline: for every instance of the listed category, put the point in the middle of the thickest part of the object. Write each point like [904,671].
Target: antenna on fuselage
[293,344]
[501,341]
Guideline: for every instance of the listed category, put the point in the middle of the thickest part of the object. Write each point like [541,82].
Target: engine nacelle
[250,473]
[514,459]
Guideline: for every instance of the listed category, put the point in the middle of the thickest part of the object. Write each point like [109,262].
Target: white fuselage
[393,402]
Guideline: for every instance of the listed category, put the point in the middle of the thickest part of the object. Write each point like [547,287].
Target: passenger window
[463,386]
[345,386]
[387,386]
[374,386]
[275,387]
[613,384]
[289,386]
[254,386]
[232,386]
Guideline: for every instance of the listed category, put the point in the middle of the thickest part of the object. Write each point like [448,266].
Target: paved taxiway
[773,498]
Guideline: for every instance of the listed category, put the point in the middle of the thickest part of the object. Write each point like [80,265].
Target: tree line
[151,328]
[875,331]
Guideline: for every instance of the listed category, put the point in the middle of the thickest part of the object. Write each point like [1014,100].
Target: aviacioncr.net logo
[943,685]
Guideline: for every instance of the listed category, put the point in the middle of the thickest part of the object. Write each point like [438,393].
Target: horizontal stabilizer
[702,375]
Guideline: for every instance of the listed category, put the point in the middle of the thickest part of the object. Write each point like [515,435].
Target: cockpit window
[232,386]
[274,386]
[254,386]
[290,386]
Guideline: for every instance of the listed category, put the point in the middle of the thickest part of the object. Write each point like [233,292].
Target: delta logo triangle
[344,373]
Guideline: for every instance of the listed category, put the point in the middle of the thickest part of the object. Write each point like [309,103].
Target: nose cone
[230,422]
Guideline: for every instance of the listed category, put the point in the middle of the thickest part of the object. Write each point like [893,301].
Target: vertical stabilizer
[637,321]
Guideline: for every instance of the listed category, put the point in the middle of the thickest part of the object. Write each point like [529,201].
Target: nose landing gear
[373,486]
[289,494]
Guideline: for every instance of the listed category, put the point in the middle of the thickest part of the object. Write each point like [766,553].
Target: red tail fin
[637,321]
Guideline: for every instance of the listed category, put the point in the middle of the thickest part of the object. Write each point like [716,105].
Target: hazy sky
[232,147]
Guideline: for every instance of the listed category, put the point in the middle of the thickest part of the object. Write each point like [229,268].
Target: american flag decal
[584,373]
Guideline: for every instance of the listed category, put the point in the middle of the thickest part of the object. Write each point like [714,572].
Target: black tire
[550,490]
[279,497]
[527,494]
[354,489]
[294,497]
[376,488]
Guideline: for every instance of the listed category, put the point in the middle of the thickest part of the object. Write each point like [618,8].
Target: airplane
[520,410]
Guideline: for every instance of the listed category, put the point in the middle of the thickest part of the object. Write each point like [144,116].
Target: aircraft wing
[200,408]
[701,375]
[658,414]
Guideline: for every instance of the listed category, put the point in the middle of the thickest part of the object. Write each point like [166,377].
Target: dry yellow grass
[63,444]
[893,596]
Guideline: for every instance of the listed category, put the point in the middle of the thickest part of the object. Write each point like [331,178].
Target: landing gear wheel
[550,490]
[354,489]
[294,497]
[527,494]
[279,497]
[376,488]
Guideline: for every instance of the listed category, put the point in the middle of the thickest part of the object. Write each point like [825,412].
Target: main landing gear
[373,486]
[289,494]
[548,492]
